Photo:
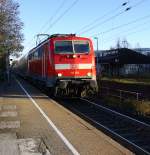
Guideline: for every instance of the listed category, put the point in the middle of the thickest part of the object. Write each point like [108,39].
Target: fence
[121,94]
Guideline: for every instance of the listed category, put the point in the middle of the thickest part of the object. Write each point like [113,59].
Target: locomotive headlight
[74,56]
[89,74]
[59,74]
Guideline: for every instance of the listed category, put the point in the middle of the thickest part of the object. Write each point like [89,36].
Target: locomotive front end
[74,64]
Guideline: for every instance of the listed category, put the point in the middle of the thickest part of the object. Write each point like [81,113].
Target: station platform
[32,123]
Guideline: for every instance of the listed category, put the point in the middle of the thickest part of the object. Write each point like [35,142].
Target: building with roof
[123,62]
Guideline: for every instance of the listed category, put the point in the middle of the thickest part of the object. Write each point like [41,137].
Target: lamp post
[96,38]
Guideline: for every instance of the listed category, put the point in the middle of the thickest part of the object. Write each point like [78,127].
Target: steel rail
[114,133]
[130,139]
[115,112]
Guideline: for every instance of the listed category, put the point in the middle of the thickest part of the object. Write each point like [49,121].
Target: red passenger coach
[65,64]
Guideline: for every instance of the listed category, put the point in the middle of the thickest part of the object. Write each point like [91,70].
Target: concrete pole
[97,54]
[7,68]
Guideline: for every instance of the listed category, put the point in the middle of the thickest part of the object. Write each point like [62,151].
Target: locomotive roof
[53,36]
[62,35]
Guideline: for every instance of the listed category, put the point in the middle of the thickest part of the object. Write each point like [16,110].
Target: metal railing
[121,94]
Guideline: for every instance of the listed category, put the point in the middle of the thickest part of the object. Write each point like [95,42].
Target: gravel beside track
[130,132]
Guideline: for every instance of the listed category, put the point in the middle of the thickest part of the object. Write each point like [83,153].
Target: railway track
[130,132]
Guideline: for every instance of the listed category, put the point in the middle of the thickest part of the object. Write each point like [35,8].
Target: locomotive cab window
[81,46]
[63,47]
[76,46]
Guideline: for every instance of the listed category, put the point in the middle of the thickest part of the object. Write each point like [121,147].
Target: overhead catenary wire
[122,25]
[103,22]
[137,31]
[57,19]
[112,17]
[50,19]
[129,34]
[58,9]
[101,17]
[129,31]
[138,3]
[61,15]
[64,12]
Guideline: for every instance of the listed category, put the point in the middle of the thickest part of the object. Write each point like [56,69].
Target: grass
[143,81]
[131,106]
[141,108]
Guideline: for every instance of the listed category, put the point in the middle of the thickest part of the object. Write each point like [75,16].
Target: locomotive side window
[81,46]
[30,57]
[63,47]
[36,55]
[40,53]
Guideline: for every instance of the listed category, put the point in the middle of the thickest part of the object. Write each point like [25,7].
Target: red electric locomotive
[65,64]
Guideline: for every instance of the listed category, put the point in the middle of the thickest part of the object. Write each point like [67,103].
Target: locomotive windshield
[72,46]
[81,46]
[63,47]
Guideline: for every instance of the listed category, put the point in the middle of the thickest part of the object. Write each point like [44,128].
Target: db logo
[74,66]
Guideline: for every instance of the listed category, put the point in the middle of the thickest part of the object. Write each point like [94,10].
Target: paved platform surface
[21,119]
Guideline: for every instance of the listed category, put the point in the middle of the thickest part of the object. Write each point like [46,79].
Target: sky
[105,21]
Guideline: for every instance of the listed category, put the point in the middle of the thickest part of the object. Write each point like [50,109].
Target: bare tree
[122,43]
[125,43]
[10,29]
[118,45]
